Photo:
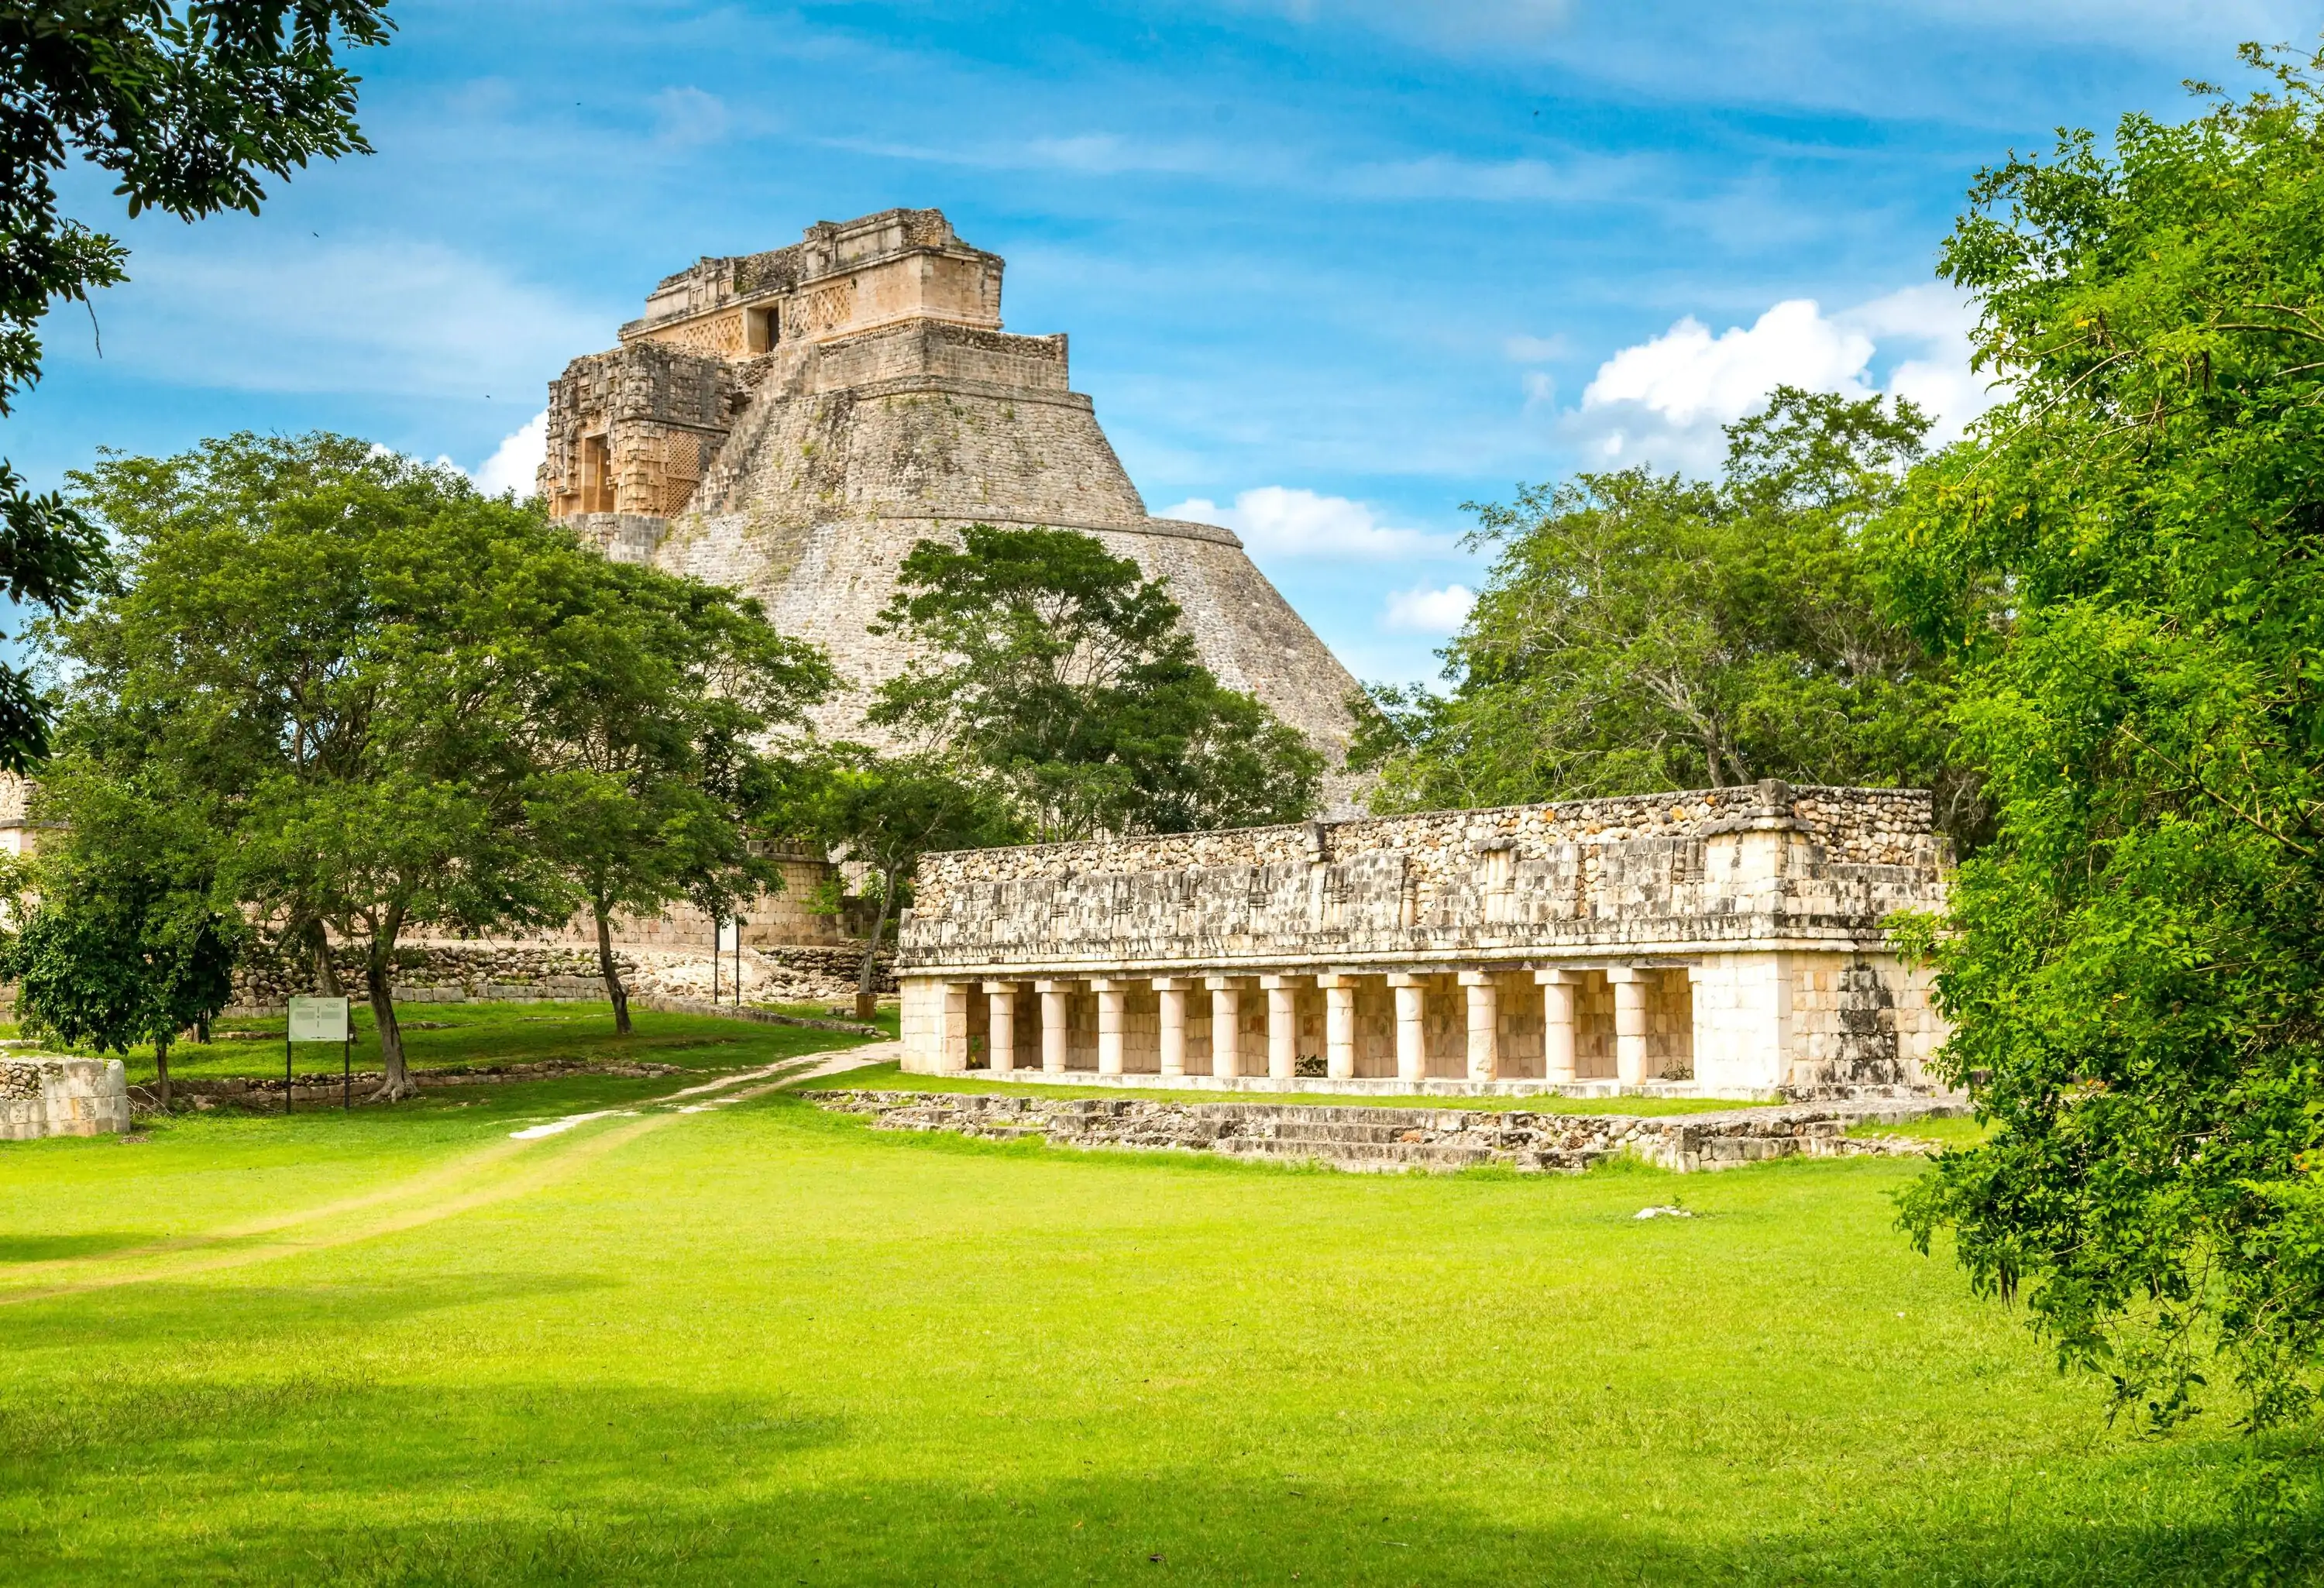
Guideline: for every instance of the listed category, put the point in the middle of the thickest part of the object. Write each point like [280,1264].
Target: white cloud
[387,319]
[1424,610]
[1537,349]
[1276,520]
[1666,399]
[685,116]
[513,463]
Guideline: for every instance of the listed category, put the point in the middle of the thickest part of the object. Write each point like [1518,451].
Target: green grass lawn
[892,1078]
[444,1035]
[764,1343]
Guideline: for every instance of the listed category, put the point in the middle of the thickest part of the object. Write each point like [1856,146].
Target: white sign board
[319,1019]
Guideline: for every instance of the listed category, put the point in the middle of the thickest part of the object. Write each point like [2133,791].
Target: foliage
[887,811]
[2125,561]
[1069,678]
[339,654]
[122,941]
[188,105]
[1640,633]
[656,698]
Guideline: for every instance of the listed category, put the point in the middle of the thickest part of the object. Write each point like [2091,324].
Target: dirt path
[523,1162]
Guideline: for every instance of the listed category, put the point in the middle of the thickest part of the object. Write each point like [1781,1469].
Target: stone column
[1282,1025]
[952,1035]
[1113,1017]
[1226,1025]
[1411,1027]
[1053,1032]
[1001,1028]
[1630,1023]
[1339,1025]
[1484,1025]
[1557,1022]
[1171,993]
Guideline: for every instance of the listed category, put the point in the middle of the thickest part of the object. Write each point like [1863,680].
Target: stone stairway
[1395,1140]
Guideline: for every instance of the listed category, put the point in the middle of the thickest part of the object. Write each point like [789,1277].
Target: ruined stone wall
[632,430]
[44,1096]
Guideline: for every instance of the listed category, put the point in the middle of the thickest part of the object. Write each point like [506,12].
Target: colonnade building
[1724,941]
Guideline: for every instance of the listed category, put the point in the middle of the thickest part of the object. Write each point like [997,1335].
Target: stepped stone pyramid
[789,423]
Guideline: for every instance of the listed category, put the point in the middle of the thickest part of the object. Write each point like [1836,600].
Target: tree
[658,696]
[339,652]
[886,812]
[188,104]
[2124,560]
[1640,633]
[123,941]
[1067,676]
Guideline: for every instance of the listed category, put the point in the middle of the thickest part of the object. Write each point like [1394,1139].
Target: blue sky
[1331,267]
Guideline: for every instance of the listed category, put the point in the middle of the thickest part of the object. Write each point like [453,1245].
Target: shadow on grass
[380,1486]
[159,1315]
[89,1244]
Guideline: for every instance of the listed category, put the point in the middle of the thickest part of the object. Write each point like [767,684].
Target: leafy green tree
[885,812]
[1639,632]
[658,707]
[340,654]
[2127,559]
[189,105]
[1070,678]
[123,940]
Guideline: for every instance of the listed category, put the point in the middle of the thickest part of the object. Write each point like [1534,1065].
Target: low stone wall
[523,973]
[42,1096]
[1395,1139]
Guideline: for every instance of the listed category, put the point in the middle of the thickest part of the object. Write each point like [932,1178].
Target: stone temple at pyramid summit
[791,423]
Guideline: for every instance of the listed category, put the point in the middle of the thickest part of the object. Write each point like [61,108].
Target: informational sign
[319,1019]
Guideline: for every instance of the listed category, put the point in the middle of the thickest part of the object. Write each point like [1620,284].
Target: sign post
[320,1020]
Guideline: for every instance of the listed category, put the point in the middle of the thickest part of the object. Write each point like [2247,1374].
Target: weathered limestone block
[44,1096]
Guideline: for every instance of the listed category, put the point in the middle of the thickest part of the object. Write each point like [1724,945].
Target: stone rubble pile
[1389,1140]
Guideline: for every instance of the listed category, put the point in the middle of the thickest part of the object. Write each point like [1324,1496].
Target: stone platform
[1381,1139]
[41,1095]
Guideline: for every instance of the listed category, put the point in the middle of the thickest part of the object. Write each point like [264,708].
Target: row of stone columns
[1481,988]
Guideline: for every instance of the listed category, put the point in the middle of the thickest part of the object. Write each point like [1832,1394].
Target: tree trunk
[612,972]
[326,971]
[395,1081]
[161,1070]
[867,1002]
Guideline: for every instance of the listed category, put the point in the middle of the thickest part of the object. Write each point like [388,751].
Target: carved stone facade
[1728,941]
[791,423]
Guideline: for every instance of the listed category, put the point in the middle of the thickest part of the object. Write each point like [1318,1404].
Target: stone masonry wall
[524,973]
[43,1096]
[1684,872]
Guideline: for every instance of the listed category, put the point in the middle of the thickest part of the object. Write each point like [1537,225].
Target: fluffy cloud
[1665,400]
[1424,610]
[513,463]
[1276,520]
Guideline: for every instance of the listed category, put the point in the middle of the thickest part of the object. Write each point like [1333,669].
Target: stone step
[1362,1154]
